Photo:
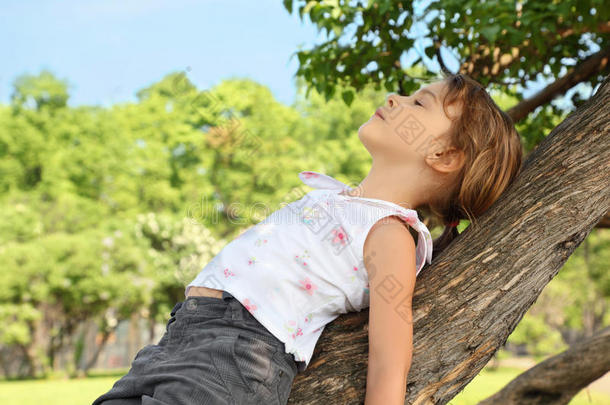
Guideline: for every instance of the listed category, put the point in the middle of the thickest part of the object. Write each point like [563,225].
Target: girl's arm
[389,252]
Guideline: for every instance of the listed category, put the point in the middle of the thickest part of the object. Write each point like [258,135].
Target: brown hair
[493,154]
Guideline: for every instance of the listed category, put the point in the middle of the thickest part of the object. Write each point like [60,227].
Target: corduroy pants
[214,352]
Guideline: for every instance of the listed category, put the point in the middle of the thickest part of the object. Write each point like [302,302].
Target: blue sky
[109,49]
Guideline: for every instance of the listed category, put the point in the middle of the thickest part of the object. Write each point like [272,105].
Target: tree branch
[556,380]
[580,73]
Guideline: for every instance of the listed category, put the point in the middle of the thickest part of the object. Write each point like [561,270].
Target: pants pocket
[245,365]
[253,358]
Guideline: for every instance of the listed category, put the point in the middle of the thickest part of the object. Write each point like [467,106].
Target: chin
[381,142]
[368,131]
[372,136]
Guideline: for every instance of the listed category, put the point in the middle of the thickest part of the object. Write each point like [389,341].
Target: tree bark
[556,380]
[475,292]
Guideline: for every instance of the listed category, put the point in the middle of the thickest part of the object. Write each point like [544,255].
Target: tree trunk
[473,295]
[106,333]
[555,381]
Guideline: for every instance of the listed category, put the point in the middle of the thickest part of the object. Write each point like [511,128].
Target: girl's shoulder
[391,226]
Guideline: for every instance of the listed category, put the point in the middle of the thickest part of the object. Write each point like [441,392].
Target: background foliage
[110,212]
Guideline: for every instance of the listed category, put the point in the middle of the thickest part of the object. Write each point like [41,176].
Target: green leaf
[490,32]
[383,7]
[348,97]
[288,5]
[301,56]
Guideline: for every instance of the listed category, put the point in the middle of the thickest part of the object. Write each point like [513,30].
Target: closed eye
[418,103]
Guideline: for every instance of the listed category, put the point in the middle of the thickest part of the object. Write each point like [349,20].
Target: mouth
[379,114]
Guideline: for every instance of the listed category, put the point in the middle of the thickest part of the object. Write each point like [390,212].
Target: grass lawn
[78,391]
[84,391]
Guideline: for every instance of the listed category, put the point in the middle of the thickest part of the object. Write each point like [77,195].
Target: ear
[446,160]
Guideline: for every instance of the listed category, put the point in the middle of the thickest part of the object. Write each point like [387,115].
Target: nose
[393,100]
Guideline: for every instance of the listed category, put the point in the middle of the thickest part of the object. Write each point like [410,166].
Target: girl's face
[408,128]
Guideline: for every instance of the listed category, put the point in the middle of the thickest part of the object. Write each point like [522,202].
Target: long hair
[493,154]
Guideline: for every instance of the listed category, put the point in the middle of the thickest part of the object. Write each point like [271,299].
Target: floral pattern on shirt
[308,285]
[260,242]
[303,259]
[228,273]
[339,239]
[292,327]
[249,305]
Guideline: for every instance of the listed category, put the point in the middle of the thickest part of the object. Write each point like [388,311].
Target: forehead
[440,88]
[437,87]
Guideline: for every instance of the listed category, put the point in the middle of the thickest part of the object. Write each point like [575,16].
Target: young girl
[252,317]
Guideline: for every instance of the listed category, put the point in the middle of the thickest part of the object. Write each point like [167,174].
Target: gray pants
[213,352]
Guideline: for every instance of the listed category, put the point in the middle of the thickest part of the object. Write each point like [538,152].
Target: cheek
[409,131]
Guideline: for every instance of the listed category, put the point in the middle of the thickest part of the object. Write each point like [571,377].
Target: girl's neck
[394,187]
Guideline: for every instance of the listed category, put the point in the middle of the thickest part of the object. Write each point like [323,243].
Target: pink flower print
[340,236]
[260,242]
[228,272]
[302,259]
[299,333]
[251,260]
[317,330]
[308,286]
[355,268]
[291,329]
[249,306]
[308,317]
[309,175]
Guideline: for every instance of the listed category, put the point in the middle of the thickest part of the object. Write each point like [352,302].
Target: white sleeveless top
[302,266]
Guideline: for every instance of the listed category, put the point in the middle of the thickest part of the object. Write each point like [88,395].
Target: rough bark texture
[473,295]
[556,380]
